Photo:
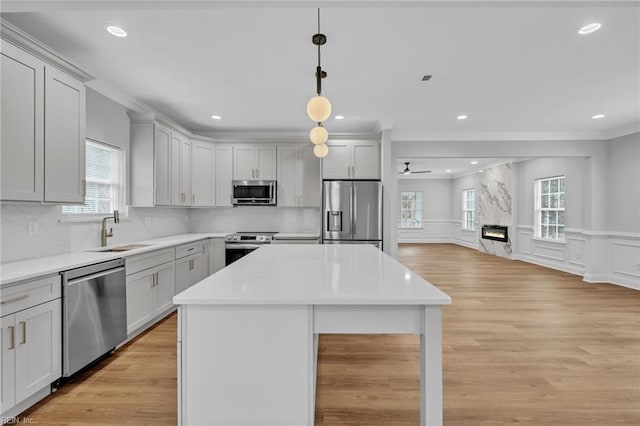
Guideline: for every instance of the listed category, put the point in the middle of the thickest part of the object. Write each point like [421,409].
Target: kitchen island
[247,335]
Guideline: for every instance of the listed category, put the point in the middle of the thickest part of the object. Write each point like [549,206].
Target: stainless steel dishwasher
[94,313]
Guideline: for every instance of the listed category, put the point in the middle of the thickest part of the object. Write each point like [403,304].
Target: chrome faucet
[104,234]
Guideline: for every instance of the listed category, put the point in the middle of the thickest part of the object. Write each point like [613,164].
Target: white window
[469,209]
[411,209]
[105,181]
[549,214]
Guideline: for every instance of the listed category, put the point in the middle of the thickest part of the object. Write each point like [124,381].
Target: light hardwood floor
[521,344]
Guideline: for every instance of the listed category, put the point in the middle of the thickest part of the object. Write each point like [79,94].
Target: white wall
[623,180]
[568,255]
[436,210]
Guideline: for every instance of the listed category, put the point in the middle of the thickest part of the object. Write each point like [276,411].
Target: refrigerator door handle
[353,211]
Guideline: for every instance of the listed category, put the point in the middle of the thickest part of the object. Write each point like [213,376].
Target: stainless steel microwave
[253,192]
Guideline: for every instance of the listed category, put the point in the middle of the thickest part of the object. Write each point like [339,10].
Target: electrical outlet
[32,227]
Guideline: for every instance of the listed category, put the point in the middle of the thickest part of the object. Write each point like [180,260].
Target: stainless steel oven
[241,244]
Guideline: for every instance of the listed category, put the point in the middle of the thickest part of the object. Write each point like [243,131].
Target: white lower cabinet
[188,272]
[31,339]
[149,293]
[216,255]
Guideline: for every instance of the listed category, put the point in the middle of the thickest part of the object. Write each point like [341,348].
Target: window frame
[465,210]
[120,200]
[417,209]
[559,211]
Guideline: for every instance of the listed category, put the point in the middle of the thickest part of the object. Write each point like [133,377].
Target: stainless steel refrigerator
[352,212]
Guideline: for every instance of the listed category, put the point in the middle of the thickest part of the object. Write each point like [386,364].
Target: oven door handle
[242,246]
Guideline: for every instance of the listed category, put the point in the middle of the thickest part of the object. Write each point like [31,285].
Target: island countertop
[290,274]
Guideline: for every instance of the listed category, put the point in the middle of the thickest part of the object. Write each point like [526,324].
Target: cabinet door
[310,181]
[204,261]
[244,162]
[162,166]
[224,175]
[366,160]
[177,195]
[139,299]
[337,163]
[266,162]
[165,288]
[216,255]
[21,125]
[288,175]
[185,171]
[38,348]
[64,147]
[182,275]
[7,362]
[195,269]
[203,174]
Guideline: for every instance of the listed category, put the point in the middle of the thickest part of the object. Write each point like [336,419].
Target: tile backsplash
[53,237]
[50,236]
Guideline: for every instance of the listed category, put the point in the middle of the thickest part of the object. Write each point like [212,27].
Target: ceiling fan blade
[422,171]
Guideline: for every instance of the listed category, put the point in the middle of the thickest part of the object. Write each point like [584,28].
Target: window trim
[421,224]
[465,210]
[122,205]
[538,209]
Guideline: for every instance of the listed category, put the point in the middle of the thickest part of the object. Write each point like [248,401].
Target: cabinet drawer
[29,293]
[189,249]
[149,260]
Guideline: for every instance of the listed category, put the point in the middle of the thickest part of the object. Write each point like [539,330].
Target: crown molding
[400,136]
[275,137]
[16,36]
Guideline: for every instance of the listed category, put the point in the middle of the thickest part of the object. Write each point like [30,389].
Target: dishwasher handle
[96,275]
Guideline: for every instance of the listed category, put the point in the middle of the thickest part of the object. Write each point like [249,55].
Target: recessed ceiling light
[448,170]
[474,162]
[116,31]
[481,171]
[339,117]
[216,117]
[426,77]
[462,117]
[598,116]
[590,28]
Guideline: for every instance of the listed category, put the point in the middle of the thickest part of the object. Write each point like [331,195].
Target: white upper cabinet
[64,147]
[42,159]
[181,194]
[161,169]
[22,82]
[161,158]
[224,174]
[203,174]
[298,176]
[254,162]
[352,160]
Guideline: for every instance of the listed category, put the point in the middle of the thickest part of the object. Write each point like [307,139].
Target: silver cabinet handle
[84,187]
[193,198]
[24,332]
[15,299]
[13,337]
[257,173]
[156,195]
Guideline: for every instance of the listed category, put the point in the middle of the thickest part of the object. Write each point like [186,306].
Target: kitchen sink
[121,248]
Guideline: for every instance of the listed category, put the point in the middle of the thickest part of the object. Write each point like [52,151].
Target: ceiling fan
[407,171]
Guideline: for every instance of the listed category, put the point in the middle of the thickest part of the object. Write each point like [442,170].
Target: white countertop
[295,236]
[288,274]
[14,272]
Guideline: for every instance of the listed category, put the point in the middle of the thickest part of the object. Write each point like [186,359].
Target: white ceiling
[517,71]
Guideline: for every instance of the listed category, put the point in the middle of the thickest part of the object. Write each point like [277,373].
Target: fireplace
[495,232]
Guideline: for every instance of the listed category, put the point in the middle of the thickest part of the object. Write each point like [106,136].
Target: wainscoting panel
[625,263]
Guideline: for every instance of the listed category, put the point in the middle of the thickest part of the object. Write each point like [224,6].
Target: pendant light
[319,107]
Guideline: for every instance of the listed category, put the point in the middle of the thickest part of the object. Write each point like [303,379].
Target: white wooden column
[431,368]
